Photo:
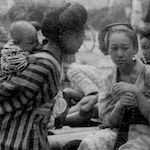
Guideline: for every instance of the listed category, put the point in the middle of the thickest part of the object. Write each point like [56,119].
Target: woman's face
[72,41]
[121,49]
[145,45]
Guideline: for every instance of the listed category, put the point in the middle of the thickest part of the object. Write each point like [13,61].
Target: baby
[15,54]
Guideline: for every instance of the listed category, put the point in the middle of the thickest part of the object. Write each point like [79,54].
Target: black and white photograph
[74,74]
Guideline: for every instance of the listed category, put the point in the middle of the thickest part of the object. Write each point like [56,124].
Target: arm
[29,82]
[85,104]
[114,117]
[76,119]
[80,113]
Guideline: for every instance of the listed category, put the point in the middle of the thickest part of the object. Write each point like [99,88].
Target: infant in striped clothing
[15,55]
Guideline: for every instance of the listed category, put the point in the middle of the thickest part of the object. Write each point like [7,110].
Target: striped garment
[13,58]
[26,101]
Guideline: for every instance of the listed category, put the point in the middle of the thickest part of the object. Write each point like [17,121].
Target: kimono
[138,133]
[26,103]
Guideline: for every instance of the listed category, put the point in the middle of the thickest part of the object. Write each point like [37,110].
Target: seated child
[15,54]
[86,86]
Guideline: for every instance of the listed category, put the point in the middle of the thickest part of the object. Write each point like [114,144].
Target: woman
[145,43]
[27,98]
[125,104]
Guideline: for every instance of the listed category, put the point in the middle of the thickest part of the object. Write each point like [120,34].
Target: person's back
[15,54]
[25,115]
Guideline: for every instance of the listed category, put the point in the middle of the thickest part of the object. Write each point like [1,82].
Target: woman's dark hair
[70,16]
[116,27]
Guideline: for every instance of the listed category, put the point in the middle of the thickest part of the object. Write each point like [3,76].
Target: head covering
[102,37]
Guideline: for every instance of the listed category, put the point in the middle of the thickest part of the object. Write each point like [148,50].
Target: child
[15,54]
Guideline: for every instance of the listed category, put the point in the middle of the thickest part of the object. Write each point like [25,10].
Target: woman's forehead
[119,35]
[120,39]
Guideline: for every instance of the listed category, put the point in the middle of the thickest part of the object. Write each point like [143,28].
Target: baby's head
[24,35]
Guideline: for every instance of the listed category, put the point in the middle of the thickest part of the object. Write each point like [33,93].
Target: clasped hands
[128,94]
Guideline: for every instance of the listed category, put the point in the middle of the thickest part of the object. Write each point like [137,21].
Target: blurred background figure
[145,44]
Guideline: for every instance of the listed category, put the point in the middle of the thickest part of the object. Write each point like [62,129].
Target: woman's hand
[127,99]
[88,102]
[122,87]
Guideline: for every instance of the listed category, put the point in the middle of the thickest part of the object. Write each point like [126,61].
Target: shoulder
[45,61]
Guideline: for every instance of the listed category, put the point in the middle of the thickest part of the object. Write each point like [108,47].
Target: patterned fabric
[13,58]
[26,105]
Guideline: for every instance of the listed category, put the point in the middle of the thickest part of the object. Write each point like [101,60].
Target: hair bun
[50,23]
[73,17]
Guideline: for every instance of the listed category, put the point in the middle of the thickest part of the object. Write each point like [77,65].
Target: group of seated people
[120,100]
[32,101]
